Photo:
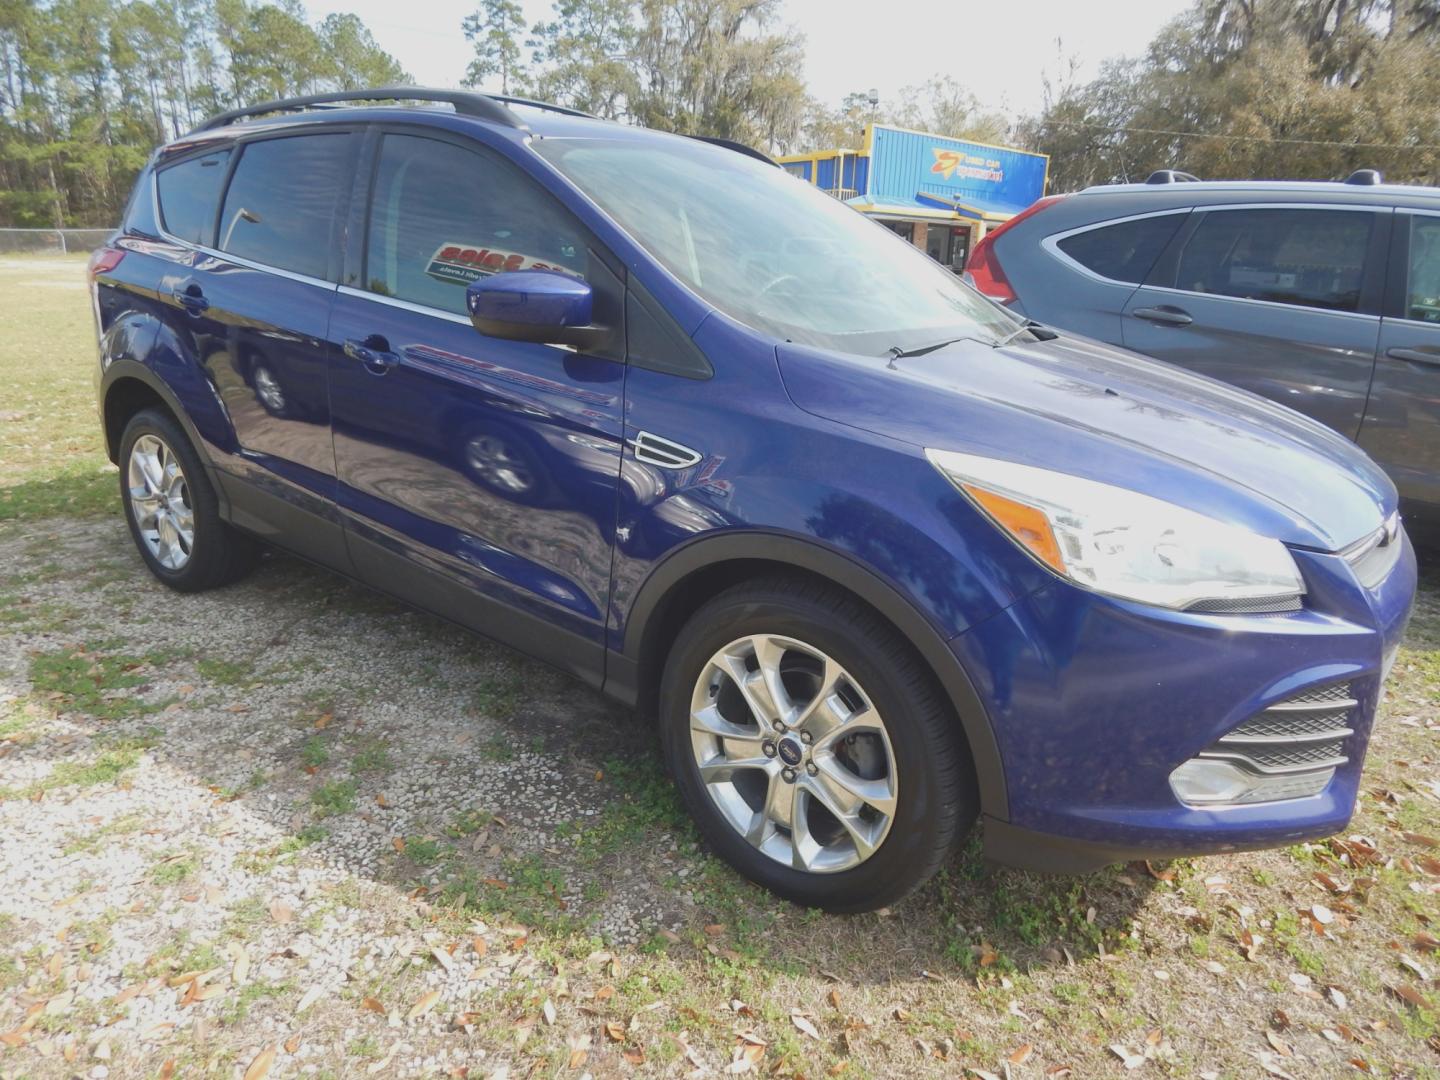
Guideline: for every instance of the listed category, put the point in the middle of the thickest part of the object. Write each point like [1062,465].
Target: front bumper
[1094,702]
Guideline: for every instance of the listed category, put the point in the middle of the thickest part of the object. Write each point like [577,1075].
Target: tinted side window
[1314,258]
[1124,251]
[188,195]
[280,207]
[442,216]
[1422,286]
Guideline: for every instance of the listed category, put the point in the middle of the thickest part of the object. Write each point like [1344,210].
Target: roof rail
[738,147]
[466,102]
[1171,176]
[1365,176]
[563,110]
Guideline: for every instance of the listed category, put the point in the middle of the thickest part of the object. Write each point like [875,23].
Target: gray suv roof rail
[1171,176]
[466,102]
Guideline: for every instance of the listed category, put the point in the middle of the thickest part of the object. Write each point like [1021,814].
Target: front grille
[1293,727]
[1303,733]
[1282,757]
[1334,692]
[1268,605]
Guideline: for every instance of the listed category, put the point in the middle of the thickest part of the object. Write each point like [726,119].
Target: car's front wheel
[812,747]
[172,510]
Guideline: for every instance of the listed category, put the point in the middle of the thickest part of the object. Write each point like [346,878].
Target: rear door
[1402,426]
[1106,262]
[256,303]
[477,476]
[1281,300]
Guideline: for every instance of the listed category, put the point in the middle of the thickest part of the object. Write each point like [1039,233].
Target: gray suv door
[1282,300]
[1402,426]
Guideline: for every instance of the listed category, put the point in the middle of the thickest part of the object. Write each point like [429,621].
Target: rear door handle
[1169,316]
[191,297]
[1429,355]
[374,352]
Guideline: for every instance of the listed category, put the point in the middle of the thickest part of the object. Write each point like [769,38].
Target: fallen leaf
[240,968]
[615,1031]
[801,1021]
[423,1006]
[398,843]
[281,912]
[293,1043]
[1131,1061]
[260,1065]
[1278,1044]
[547,1010]
[478,944]
[1021,1054]
[834,998]
[372,1005]
[384,1063]
[443,958]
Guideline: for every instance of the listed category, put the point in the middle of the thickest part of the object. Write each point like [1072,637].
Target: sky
[998,49]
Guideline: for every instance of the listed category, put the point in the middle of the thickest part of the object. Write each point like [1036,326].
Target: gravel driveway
[257,785]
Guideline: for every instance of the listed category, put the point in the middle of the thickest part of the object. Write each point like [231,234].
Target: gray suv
[1322,296]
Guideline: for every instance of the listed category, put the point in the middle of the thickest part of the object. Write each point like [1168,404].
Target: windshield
[773,251]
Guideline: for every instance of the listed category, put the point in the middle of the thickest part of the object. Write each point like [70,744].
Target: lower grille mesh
[1305,732]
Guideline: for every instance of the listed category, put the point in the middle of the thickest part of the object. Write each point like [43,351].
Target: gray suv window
[1312,258]
[1124,251]
[1422,290]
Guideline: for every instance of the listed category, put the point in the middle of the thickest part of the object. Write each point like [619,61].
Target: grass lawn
[51,457]
[1316,960]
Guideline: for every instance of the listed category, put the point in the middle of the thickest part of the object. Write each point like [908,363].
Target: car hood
[1081,407]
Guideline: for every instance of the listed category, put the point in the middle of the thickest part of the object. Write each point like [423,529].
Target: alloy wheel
[793,753]
[160,501]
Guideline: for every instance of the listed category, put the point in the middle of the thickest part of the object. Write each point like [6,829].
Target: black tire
[936,800]
[219,554]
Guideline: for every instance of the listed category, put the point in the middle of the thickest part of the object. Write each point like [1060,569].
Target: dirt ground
[290,828]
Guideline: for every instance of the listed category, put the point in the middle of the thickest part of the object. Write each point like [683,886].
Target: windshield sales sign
[908,165]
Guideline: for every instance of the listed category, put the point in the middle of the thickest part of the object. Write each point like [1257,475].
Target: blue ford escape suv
[880,556]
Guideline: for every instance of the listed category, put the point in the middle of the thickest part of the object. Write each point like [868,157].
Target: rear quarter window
[189,194]
[1124,251]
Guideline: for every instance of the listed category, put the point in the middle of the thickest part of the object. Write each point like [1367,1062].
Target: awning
[971,206]
[939,208]
[912,210]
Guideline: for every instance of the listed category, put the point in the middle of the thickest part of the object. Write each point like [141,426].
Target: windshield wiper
[1041,332]
[897,353]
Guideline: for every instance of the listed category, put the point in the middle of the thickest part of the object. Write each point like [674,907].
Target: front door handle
[1166,315]
[190,297]
[374,352]
[1427,355]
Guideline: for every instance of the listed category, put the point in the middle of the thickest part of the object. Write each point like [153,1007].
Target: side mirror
[546,306]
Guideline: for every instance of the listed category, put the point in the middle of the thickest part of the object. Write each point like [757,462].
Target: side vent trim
[656,450]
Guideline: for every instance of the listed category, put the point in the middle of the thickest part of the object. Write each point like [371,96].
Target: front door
[1283,301]
[477,476]
[1402,426]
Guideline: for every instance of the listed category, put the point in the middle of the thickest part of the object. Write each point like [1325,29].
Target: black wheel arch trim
[121,369]
[623,671]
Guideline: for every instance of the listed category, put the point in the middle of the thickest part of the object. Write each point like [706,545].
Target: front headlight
[1121,542]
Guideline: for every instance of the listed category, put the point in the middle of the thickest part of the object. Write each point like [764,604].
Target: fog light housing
[1212,782]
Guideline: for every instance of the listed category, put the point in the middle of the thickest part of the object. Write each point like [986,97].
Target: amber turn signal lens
[1025,523]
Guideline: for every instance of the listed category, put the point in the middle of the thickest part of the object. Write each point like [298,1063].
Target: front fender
[705,553]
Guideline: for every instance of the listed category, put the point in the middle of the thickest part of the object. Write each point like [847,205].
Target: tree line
[1231,88]
[1297,89]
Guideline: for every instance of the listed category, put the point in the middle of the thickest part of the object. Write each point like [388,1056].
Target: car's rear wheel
[172,509]
[812,746]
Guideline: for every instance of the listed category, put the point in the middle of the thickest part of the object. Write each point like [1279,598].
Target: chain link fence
[51,241]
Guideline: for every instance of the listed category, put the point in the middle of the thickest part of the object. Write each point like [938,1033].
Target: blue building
[940,193]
